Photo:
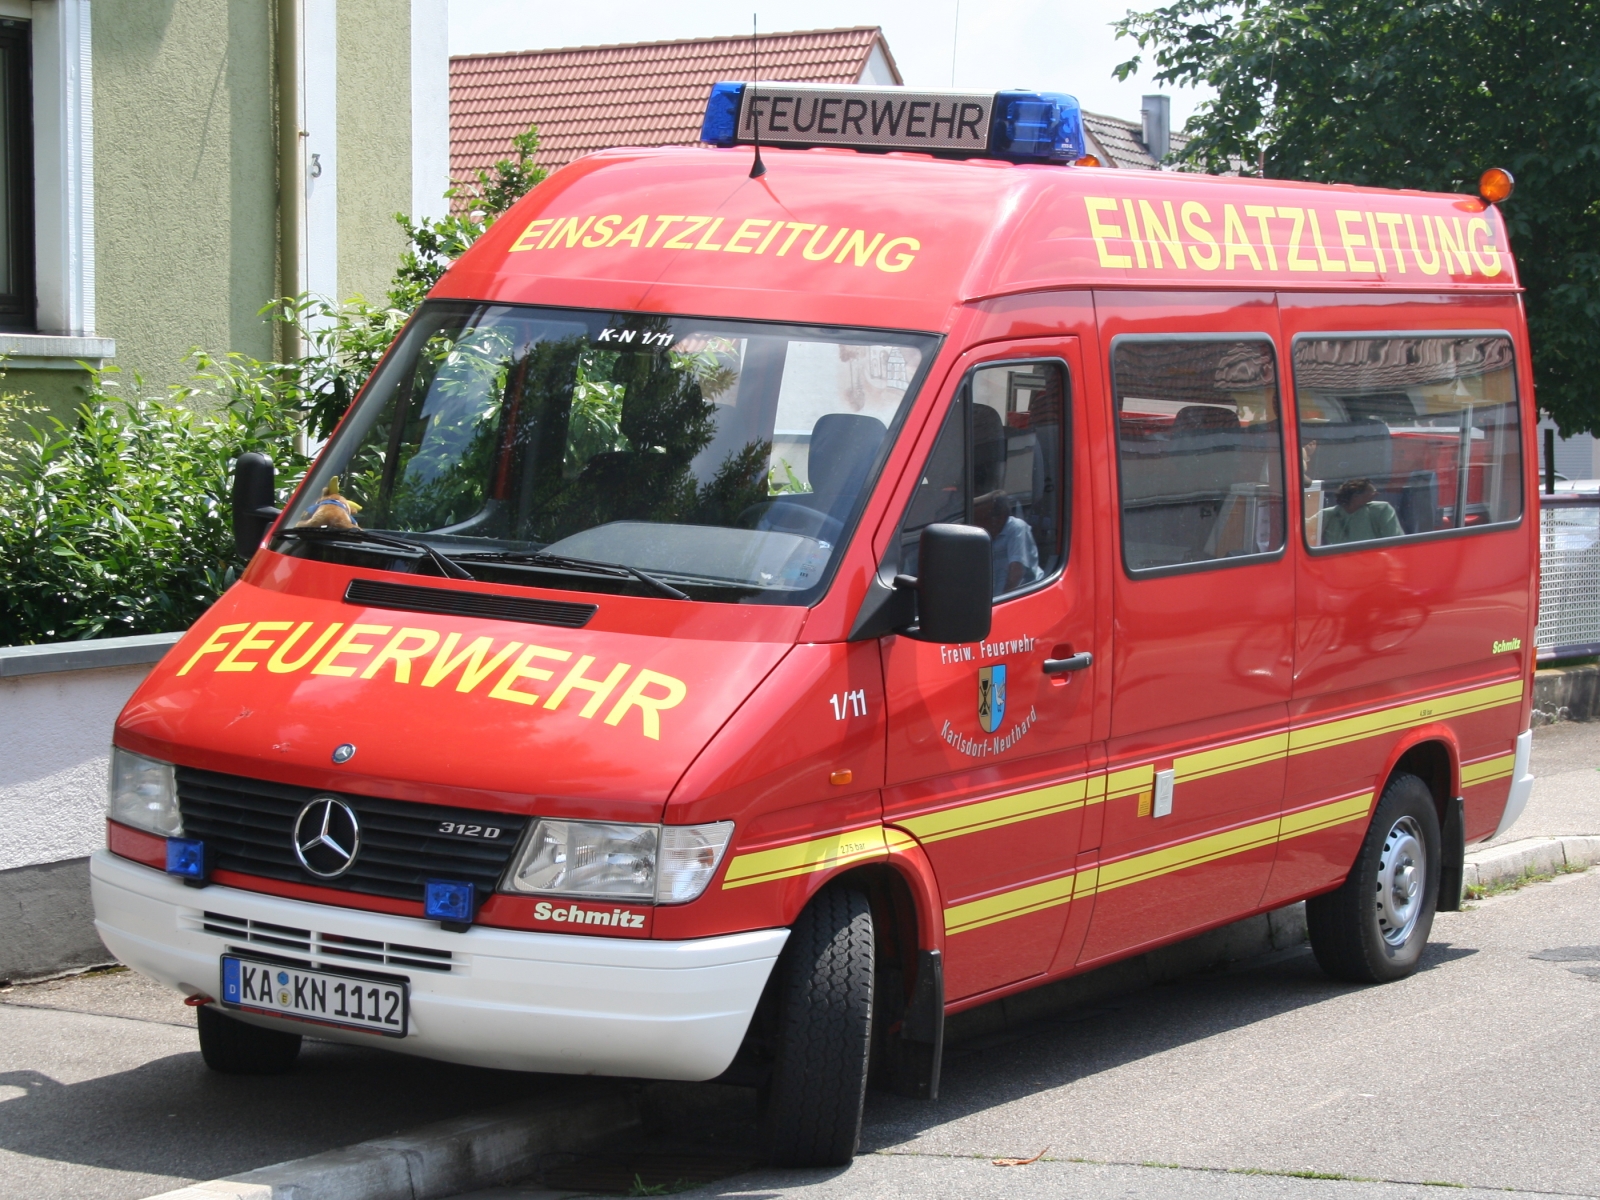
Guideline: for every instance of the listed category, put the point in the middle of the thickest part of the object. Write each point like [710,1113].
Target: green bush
[118,522]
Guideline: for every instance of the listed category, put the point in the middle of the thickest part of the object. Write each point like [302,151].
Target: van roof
[900,240]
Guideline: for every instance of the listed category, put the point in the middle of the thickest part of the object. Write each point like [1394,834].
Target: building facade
[171,166]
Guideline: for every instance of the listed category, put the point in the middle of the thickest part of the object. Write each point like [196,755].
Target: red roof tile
[647,94]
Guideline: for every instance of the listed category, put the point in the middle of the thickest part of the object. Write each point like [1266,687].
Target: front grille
[319,947]
[375,593]
[248,826]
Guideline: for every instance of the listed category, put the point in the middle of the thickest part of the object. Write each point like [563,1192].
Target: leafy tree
[1419,94]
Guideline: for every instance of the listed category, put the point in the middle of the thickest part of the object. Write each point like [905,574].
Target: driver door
[988,752]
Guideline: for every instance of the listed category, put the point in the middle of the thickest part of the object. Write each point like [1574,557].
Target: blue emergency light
[1017,126]
[186,858]
[449,900]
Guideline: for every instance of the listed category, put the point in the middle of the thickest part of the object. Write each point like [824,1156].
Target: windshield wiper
[321,533]
[539,558]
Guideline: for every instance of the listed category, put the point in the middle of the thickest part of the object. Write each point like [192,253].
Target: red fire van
[756,611]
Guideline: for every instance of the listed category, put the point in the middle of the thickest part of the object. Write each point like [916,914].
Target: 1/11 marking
[851,704]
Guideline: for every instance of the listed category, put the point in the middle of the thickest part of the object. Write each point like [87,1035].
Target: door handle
[1060,666]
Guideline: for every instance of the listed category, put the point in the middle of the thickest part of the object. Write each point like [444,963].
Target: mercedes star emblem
[326,837]
[344,753]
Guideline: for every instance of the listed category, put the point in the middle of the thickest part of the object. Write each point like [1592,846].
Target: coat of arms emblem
[991,697]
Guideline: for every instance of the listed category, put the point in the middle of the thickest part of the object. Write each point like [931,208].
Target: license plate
[372,1005]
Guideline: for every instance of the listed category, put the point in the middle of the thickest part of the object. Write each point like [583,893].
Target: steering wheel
[785,516]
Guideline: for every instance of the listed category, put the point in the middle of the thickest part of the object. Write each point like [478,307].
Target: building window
[16,177]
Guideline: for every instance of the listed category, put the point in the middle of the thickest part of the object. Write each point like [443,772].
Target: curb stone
[460,1155]
[1530,856]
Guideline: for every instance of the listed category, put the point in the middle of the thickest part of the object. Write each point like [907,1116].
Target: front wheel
[818,1084]
[1374,927]
[231,1047]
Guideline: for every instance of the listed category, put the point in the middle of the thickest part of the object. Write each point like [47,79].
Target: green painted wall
[374,143]
[56,390]
[185,179]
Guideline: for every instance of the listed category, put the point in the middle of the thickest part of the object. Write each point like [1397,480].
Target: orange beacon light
[1495,185]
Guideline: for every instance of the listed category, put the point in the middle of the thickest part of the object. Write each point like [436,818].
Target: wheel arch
[1433,757]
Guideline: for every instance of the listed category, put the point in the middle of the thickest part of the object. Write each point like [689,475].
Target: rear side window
[1200,450]
[999,464]
[1406,435]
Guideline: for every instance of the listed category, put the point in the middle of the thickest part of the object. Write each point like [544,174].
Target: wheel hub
[1402,879]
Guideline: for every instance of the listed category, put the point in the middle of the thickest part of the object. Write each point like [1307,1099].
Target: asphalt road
[1482,1070]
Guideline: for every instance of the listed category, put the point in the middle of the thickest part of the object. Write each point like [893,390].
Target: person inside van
[1013,553]
[1357,516]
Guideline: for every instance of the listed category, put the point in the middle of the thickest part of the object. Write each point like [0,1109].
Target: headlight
[144,794]
[644,863]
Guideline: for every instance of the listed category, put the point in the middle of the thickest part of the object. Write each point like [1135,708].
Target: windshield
[614,452]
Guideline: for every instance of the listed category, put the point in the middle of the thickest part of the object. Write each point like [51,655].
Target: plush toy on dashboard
[333,511]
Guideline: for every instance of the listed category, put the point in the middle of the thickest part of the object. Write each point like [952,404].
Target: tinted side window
[1200,450]
[1406,435]
[998,465]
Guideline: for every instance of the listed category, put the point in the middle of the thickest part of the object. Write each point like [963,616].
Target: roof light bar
[1019,126]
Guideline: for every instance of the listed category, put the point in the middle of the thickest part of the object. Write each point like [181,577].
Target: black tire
[1374,927]
[233,1048]
[819,1071]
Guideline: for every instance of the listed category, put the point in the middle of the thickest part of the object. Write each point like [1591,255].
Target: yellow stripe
[825,853]
[1487,770]
[1035,897]
[1403,716]
[1006,810]
[1325,816]
[1130,782]
[1230,758]
[801,858]
[898,839]
[1106,876]
[1187,854]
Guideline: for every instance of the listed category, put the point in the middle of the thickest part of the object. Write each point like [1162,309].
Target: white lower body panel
[1521,782]
[489,997]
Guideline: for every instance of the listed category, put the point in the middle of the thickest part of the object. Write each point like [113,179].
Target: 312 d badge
[991,697]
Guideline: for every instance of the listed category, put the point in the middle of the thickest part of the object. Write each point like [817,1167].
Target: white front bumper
[519,1001]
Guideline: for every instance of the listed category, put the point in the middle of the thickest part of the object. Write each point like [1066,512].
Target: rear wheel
[1374,927]
[824,1021]
[231,1047]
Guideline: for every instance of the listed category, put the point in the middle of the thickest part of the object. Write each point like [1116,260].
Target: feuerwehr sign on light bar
[879,118]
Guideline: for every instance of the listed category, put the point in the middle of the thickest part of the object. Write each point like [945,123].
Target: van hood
[598,721]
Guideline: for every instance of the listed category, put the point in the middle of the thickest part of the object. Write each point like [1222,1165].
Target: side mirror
[954,600]
[253,493]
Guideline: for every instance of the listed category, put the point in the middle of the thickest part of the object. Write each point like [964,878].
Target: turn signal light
[1495,185]
[1088,160]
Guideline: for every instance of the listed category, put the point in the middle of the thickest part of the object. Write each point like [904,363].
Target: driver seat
[843,446]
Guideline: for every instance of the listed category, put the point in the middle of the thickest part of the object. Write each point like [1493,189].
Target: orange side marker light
[1088,160]
[1495,185]
[840,778]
